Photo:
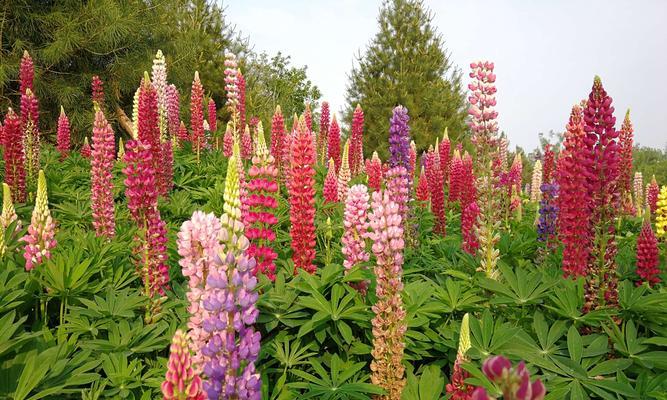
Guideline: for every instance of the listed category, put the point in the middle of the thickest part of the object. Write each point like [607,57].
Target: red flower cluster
[330,186]
[173,114]
[308,117]
[422,192]
[436,184]
[374,172]
[652,190]
[443,150]
[455,177]
[182,134]
[549,164]
[467,186]
[356,141]
[14,156]
[246,144]
[101,179]
[469,217]
[324,131]
[625,142]
[85,149]
[334,143]
[302,201]
[98,91]
[26,73]
[212,115]
[63,135]
[647,256]
[277,133]
[197,114]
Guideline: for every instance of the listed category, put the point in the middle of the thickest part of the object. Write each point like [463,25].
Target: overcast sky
[546,52]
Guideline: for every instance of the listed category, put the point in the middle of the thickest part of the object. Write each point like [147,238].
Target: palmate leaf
[429,385]
[519,287]
[12,281]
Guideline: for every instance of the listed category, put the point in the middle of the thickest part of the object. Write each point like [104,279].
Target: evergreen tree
[406,64]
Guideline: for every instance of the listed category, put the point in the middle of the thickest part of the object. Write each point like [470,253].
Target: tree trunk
[125,122]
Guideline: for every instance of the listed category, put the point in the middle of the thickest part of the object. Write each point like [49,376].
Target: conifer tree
[406,64]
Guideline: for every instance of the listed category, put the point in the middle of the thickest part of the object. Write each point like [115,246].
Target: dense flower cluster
[63,134]
[357,141]
[30,133]
[231,86]
[374,172]
[536,182]
[355,224]
[389,326]
[173,113]
[549,164]
[652,190]
[181,382]
[436,184]
[468,228]
[661,214]
[302,201]
[159,83]
[277,133]
[308,117]
[262,199]
[398,188]
[344,174]
[7,217]
[330,186]
[648,257]
[197,114]
[638,192]
[141,194]
[246,144]
[467,186]
[513,382]
[85,148]
[482,102]
[40,238]
[212,115]
[574,197]
[399,140]
[26,73]
[14,156]
[546,225]
[333,146]
[422,192]
[455,177]
[444,150]
[101,179]
[323,136]
[98,91]
[413,155]
[240,83]
[148,132]
[625,143]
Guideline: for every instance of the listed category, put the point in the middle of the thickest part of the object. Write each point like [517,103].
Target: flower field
[211,254]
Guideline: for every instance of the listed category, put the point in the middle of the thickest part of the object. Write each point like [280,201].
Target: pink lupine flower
[355,223]
[333,146]
[212,115]
[330,187]
[323,136]
[101,179]
[40,239]
[98,91]
[181,382]
[63,135]
[85,149]
[173,111]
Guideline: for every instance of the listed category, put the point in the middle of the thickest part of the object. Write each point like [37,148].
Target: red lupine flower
[625,144]
[26,73]
[167,167]
[173,112]
[574,197]
[333,146]
[652,190]
[413,157]
[549,164]
[308,117]
[357,141]
[455,177]
[374,172]
[277,133]
[30,132]
[63,135]
[246,144]
[85,149]
[197,114]
[468,190]
[240,82]
[323,136]
[101,180]
[14,156]
[302,201]
[330,186]
[443,152]
[648,258]
[212,115]
[468,227]
[262,190]
[182,135]
[436,185]
[422,192]
[98,91]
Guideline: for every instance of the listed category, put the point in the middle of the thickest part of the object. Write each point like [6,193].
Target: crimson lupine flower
[148,130]
[40,238]
[240,82]
[85,149]
[333,146]
[26,73]
[166,167]
[198,244]
[228,140]
[182,134]
[549,164]
[422,192]
[468,190]
[98,91]
[63,135]
[246,144]
[14,156]
[357,141]
[355,223]
[625,150]
[323,136]
[212,115]
[277,133]
[443,151]
[652,190]
[302,201]
[514,382]
[374,172]
[197,114]
[308,117]
[173,111]
[101,179]
[648,258]
[468,227]
[141,193]
[456,173]
[330,186]
[30,132]
[181,382]
[436,184]
[262,200]
[389,323]
[574,197]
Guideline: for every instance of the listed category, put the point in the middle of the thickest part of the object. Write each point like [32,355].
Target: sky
[546,52]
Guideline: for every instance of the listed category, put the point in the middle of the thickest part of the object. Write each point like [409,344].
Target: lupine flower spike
[356,141]
[101,179]
[457,387]
[652,190]
[14,156]
[638,192]
[181,382]
[85,149]
[536,182]
[63,135]
[40,239]
[7,217]
[323,136]
[648,257]
[333,146]
[374,172]
[355,224]
[330,186]
[514,382]
[661,214]
[344,174]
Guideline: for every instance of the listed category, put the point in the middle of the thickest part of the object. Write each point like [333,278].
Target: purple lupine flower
[233,346]
[399,139]
[546,227]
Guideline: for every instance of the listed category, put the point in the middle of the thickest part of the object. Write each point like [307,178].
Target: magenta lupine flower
[398,188]
[355,223]
[148,129]
[468,227]
[330,186]
[85,149]
[648,256]
[98,91]
[514,382]
[63,135]
[232,349]
[14,156]
[101,180]
[40,238]
[197,114]
[323,136]
[26,73]
[212,115]
[198,243]
[357,141]
[173,110]
[444,152]
[389,324]
[436,185]
[181,382]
